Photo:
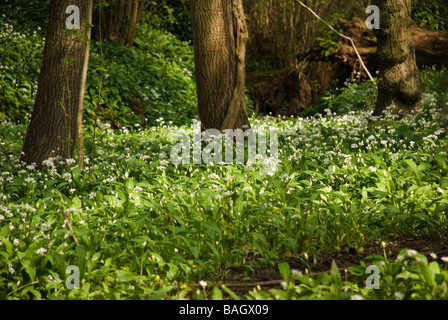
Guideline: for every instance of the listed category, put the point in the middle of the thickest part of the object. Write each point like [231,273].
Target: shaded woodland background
[292,58]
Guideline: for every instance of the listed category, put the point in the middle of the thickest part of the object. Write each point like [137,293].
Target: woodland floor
[271,278]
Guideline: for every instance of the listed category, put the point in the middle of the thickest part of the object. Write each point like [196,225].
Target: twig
[273,282]
[67,220]
[26,285]
[266,283]
[341,35]
[252,284]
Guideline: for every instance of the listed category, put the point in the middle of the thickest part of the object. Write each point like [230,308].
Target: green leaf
[171,274]
[21,254]
[159,294]
[411,164]
[195,251]
[96,256]
[125,276]
[285,271]
[76,174]
[129,185]
[77,203]
[7,244]
[216,294]
[82,253]
[29,268]
[429,272]
[434,267]
[336,286]
[35,293]
[156,258]
[232,294]
[213,248]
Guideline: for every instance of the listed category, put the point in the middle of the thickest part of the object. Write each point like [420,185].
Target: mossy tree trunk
[399,81]
[57,111]
[219,38]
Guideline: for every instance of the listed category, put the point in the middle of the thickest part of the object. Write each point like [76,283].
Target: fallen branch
[341,35]
[253,284]
[265,283]
[67,220]
[273,282]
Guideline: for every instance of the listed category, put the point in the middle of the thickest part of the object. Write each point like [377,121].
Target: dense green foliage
[436,8]
[25,15]
[173,16]
[21,55]
[155,79]
[149,229]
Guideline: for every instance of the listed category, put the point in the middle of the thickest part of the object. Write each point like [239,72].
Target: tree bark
[82,91]
[219,38]
[399,81]
[53,126]
[118,20]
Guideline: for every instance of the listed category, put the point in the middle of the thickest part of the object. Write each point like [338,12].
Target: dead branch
[341,35]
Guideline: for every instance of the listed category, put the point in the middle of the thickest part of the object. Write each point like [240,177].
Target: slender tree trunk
[82,91]
[219,37]
[53,127]
[399,81]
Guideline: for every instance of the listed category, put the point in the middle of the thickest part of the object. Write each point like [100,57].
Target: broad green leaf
[7,245]
[76,174]
[336,279]
[125,276]
[195,251]
[231,293]
[129,185]
[77,203]
[171,274]
[285,271]
[413,166]
[216,294]
[29,268]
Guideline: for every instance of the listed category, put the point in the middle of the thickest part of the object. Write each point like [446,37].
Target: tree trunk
[53,126]
[219,38]
[82,91]
[118,20]
[399,81]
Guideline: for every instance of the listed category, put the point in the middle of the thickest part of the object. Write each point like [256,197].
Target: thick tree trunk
[53,127]
[219,38]
[399,81]
[118,20]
